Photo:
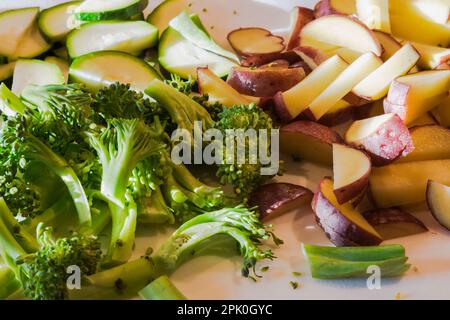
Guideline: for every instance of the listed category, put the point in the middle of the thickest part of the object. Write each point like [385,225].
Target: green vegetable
[96,10]
[161,289]
[9,283]
[55,21]
[247,176]
[339,263]
[186,242]
[191,32]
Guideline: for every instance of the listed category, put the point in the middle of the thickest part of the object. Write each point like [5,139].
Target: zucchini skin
[118,14]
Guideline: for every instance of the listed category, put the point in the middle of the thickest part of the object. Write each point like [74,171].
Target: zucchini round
[97,10]
[56,22]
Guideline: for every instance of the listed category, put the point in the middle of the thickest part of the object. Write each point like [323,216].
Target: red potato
[385,138]
[264,82]
[249,42]
[351,172]
[438,200]
[309,141]
[329,7]
[443,66]
[257,61]
[275,199]
[342,224]
[311,56]
[393,223]
[300,17]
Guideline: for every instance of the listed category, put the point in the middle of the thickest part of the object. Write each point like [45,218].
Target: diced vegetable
[128,36]
[56,22]
[96,10]
[99,69]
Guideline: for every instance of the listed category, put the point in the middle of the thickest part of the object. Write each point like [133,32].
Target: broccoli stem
[26,240]
[8,282]
[40,152]
[155,210]
[161,289]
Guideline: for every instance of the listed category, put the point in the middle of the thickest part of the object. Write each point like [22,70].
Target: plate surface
[214,277]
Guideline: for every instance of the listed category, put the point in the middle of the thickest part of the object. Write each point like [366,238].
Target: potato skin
[354,190]
[260,60]
[309,140]
[275,199]
[264,82]
[304,16]
[379,218]
[337,227]
[389,142]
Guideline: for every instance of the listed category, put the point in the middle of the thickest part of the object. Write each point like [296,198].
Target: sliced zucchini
[6,70]
[97,10]
[62,64]
[184,25]
[32,45]
[56,22]
[166,11]
[179,56]
[126,36]
[14,26]
[35,72]
[99,69]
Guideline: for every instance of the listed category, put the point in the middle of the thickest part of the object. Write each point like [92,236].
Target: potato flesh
[255,41]
[430,142]
[349,165]
[406,183]
[344,83]
[306,147]
[298,98]
[439,202]
[346,209]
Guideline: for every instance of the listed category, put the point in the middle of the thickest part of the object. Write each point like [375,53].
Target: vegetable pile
[92,93]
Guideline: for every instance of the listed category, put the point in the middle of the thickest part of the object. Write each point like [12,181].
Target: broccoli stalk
[120,148]
[189,240]
[9,283]
[42,273]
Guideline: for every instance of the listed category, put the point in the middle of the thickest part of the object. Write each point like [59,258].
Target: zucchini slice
[184,25]
[7,70]
[166,11]
[56,22]
[97,10]
[14,27]
[179,56]
[126,36]
[99,69]
[35,72]
[32,45]
[62,64]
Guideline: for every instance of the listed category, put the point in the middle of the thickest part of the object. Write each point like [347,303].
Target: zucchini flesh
[97,10]
[14,27]
[99,69]
[166,11]
[32,45]
[179,56]
[125,36]
[62,64]
[35,72]
[56,22]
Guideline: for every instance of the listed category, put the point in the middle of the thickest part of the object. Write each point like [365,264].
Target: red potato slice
[443,66]
[275,199]
[257,61]
[438,199]
[342,224]
[249,42]
[389,43]
[264,82]
[309,141]
[385,138]
[330,7]
[393,223]
[300,17]
[218,90]
[413,95]
[351,172]
[340,31]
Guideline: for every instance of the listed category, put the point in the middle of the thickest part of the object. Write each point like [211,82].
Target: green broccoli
[188,241]
[247,176]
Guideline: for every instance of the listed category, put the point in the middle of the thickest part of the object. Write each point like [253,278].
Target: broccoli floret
[247,176]
[121,147]
[24,147]
[189,240]
[43,274]
[181,85]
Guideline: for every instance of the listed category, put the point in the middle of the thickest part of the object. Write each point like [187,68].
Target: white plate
[219,278]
